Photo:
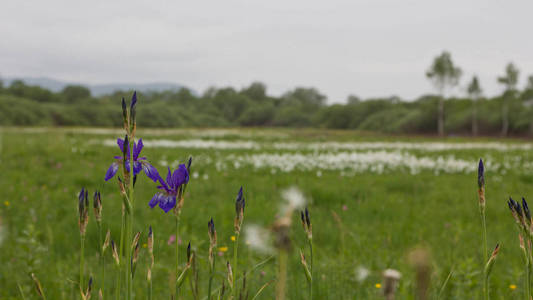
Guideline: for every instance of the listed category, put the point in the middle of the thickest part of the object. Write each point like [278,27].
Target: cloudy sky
[364,47]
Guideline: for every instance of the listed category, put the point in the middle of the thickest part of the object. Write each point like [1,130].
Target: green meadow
[372,200]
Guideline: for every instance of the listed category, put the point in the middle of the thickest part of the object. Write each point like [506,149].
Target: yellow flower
[145,245]
[233,238]
[6,203]
[223,249]
[378,285]
[512,286]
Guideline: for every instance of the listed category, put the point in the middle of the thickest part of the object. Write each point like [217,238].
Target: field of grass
[390,195]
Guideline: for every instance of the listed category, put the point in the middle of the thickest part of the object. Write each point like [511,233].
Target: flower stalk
[150,243]
[240,203]
[38,286]
[212,257]
[308,228]
[83,210]
[177,217]
[481,197]
[117,259]
[97,206]
[522,216]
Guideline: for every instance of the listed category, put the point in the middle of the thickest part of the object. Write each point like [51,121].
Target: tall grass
[238,271]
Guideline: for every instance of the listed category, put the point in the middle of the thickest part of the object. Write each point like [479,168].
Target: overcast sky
[368,48]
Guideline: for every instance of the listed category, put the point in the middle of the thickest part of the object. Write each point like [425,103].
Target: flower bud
[97,204]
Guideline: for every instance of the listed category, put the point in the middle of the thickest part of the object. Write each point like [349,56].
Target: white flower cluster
[328,146]
[349,158]
[359,162]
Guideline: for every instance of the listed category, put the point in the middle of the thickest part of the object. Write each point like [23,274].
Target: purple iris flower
[166,198]
[139,163]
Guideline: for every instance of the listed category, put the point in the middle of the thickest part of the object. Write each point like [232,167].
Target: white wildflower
[361,273]
[258,238]
[294,197]
[392,274]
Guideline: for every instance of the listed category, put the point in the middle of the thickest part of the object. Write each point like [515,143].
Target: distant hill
[97,89]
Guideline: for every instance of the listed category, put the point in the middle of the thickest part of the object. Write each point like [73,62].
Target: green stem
[177,250]
[311,265]
[127,261]
[282,275]
[121,252]
[485,254]
[150,290]
[211,275]
[117,290]
[129,227]
[235,273]
[82,262]
[122,233]
[100,244]
[529,259]
[528,280]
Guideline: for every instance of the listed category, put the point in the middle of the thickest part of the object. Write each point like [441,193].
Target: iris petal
[169,178]
[111,171]
[155,200]
[137,149]
[137,167]
[166,203]
[150,171]
[181,176]
[120,143]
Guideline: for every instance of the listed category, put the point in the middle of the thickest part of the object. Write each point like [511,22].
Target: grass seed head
[87,295]
[38,286]
[525,208]
[239,210]
[115,253]
[135,241]
[150,241]
[121,186]
[106,241]
[490,262]
[212,232]
[124,113]
[135,258]
[212,240]
[133,114]
[230,273]
[97,205]
[189,252]
[516,211]
[83,209]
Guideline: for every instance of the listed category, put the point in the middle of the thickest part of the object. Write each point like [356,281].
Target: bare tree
[509,80]
[443,74]
[474,92]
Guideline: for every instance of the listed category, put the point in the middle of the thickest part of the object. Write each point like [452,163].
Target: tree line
[470,114]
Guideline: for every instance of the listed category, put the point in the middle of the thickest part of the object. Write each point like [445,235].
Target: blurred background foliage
[27,105]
